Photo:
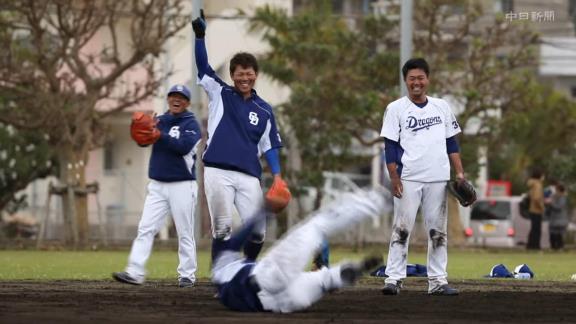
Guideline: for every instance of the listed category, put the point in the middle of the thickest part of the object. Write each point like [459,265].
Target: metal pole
[195,104]
[405,38]
[195,100]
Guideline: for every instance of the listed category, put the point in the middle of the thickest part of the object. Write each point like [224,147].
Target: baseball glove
[278,196]
[463,191]
[143,129]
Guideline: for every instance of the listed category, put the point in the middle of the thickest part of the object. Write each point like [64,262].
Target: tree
[24,157]
[339,74]
[68,65]
[477,62]
[540,127]
[487,66]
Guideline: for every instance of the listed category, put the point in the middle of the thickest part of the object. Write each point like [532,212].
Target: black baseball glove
[463,191]
[199,25]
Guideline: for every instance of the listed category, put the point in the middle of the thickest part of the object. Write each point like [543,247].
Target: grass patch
[96,265]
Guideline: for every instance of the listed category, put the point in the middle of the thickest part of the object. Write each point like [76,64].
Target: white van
[497,222]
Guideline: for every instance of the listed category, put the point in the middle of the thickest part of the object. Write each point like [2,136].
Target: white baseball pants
[285,287]
[179,200]
[226,189]
[432,198]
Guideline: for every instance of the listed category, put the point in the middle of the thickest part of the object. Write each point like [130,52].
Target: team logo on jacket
[174,131]
[253,117]
[414,124]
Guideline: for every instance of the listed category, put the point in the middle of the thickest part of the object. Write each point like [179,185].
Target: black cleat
[124,277]
[185,283]
[351,272]
[392,289]
[444,290]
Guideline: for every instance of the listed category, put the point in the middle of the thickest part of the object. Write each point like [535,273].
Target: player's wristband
[273,159]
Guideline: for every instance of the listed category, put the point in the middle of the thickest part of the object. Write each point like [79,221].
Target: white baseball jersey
[422,134]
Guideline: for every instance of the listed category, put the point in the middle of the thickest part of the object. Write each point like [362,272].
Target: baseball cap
[181,89]
[499,271]
[523,269]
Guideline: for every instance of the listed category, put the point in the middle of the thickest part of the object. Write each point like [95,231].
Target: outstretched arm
[199,27]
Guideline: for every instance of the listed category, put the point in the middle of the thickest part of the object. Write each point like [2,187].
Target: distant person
[536,208]
[557,206]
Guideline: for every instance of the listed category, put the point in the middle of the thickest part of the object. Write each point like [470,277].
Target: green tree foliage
[479,63]
[539,131]
[341,74]
[24,157]
[488,67]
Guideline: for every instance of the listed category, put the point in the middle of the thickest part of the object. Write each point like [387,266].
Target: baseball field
[64,286]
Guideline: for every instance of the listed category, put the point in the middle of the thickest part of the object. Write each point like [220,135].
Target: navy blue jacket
[174,155]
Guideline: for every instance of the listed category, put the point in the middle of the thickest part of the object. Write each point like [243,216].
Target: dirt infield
[509,301]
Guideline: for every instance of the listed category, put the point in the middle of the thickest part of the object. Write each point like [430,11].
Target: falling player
[278,282]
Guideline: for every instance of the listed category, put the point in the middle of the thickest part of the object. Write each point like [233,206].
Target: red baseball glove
[278,196]
[143,129]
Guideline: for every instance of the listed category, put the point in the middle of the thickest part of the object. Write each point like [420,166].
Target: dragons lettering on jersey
[417,124]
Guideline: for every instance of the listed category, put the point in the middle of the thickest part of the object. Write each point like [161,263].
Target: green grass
[462,264]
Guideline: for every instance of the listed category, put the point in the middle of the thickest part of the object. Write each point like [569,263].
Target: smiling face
[417,85]
[177,103]
[244,80]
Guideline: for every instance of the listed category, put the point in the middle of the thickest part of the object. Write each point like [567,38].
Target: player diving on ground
[278,282]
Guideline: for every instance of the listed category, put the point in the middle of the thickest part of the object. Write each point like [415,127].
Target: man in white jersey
[241,128]
[419,133]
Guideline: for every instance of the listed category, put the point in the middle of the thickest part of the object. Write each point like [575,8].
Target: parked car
[497,222]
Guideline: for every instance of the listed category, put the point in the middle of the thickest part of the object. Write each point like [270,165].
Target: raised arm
[199,27]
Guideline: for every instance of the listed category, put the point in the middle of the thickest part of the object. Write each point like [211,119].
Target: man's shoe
[392,289]
[444,290]
[185,283]
[351,272]
[124,277]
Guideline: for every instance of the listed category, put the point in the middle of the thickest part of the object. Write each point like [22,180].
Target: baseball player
[241,127]
[278,282]
[419,133]
[172,190]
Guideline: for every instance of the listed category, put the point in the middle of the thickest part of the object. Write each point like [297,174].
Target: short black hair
[415,63]
[245,60]
[537,173]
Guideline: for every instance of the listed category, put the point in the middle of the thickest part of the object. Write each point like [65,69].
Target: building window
[108,156]
[338,6]
[504,6]
[573,91]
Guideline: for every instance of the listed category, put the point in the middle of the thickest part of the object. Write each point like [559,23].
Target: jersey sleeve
[391,124]
[451,125]
[189,136]
[270,138]
[207,77]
